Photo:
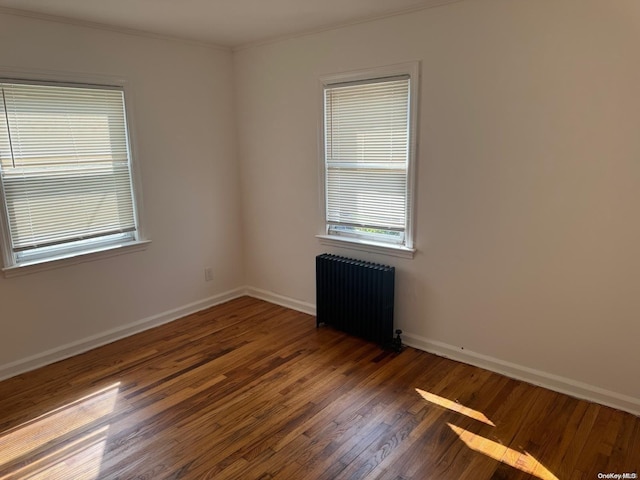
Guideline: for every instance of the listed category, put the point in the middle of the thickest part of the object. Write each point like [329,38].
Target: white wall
[528,181]
[528,175]
[185,148]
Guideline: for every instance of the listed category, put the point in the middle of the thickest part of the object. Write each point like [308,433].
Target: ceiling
[229,23]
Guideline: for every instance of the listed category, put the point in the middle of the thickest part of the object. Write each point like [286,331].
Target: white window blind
[64,166]
[366,158]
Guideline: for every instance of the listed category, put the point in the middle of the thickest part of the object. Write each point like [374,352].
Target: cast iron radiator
[355,297]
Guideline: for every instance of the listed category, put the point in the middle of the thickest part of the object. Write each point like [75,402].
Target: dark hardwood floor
[251,390]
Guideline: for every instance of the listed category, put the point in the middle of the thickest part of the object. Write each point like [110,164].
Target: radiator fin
[356,297]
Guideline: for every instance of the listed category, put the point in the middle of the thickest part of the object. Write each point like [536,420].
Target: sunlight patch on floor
[520,460]
[31,446]
[454,406]
[80,460]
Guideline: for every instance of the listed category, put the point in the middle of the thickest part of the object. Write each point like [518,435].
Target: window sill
[75,258]
[366,246]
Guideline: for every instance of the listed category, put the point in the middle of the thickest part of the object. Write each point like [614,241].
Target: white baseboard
[93,341]
[281,300]
[526,374]
[553,382]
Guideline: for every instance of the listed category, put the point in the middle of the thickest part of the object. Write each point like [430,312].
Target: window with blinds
[65,170]
[367,156]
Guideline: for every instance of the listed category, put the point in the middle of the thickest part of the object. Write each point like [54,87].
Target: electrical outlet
[208,274]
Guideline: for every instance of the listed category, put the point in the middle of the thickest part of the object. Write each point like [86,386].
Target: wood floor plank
[251,390]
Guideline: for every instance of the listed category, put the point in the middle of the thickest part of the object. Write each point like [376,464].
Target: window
[369,153]
[65,171]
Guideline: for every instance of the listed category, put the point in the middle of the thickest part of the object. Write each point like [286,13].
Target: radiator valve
[396,343]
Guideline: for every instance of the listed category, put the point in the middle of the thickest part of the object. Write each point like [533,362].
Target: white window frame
[91,249]
[407,249]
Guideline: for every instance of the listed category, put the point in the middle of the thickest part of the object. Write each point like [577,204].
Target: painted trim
[567,386]
[71,78]
[94,341]
[364,246]
[281,300]
[553,382]
[75,258]
[412,70]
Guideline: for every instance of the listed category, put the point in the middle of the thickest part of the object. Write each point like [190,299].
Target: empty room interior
[172,173]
